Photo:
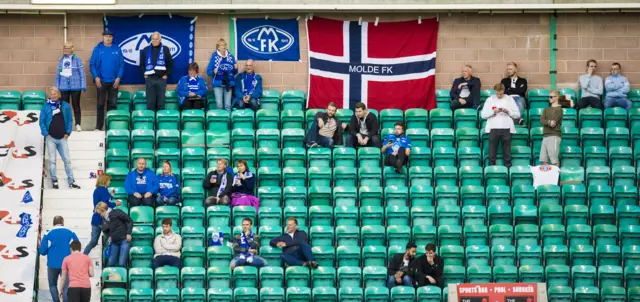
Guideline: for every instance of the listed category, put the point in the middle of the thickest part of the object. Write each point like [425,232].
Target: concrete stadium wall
[31,45]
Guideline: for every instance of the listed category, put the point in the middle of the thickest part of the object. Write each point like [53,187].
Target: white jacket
[501,120]
[167,246]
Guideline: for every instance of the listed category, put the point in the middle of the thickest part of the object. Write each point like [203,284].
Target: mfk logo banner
[267,39]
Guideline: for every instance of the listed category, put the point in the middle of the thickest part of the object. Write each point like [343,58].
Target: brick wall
[30,47]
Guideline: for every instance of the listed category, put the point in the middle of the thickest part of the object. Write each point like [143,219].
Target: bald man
[156,64]
[248,90]
[465,91]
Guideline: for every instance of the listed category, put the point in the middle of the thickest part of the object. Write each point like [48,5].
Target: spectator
[55,245]
[245,246]
[516,87]
[223,69]
[363,128]
[397,147]
[117,226]
[249,92]
[500,110]
[107,69]
[56,124]
[192,89]
[617,87]
[71,80]
[100,194]
[551,121]
[156,63]
[428,268]
[465,91]
[219,183]
[242,190]
[326,129]
[141,184]
[295,246]
[167,246]
[79,268]
[168,186]
[591,87]
[398,271]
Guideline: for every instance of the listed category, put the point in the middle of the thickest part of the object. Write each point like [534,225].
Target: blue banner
[267,39]
[133,34]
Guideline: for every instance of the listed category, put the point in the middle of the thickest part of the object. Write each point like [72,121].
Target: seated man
[141,184]
[397,147]
[248,90]
[363,128]
[295,246]
[465,90]
[398,271]
[428,268]
[516,87]
[192,89]
[167,246]
[616,87]
[326,129]
[245,246]
[219,183]
[590,87]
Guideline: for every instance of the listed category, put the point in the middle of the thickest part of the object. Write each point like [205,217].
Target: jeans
[142,201]
[155,87]
[95,236]
[62,147]
[299,256]
[313,136]
[406,281]
[521,103]
[219,93]
[397,161]
[587,101]
[53,274]
[257,262]
[119,253]
[500,136]
[164,260]
[610,102]
[111,93]
[374,141]
[170,201]
[79,294]
[253,104]
[74,98]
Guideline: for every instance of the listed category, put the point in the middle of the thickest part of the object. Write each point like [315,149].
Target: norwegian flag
[391,65]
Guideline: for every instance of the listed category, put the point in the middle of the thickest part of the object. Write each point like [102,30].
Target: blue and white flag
[133,34]
[267,39]
[27,198]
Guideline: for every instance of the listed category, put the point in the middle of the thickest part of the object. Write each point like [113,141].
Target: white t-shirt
[545,177]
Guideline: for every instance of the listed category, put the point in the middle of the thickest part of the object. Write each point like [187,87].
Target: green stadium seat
[623,176]
[471,175]
[294,157]
[193,294]
[319,157]
[617,137]
[474,214]
[498,195]
[467,137]
[454,274]
[441,118]
[373,255]
[245,294]
[608,255]
[443,99]
[324,294]
[269,157]
[500,234]
[576,214]
[371,215]
[293,100]
[628,215]
[499,214]
[317,176]
[496,175]
[118,158]
[557,275]
[344,157]
[193,277]
[574,194]
[442,137]
[345,177]
[548,194]
[590,117]
[113,294]
[193,236]
[293,196]
[118,139]
[193,157]
[171,212]
[421,195]
[419,137]
[592,137]
[167,277]
[444,156]
[520,175]
[560,293]
[465,118]
[613,294]
[605,234]
[522,194]
[620,156]
[218,119]
[164,138]
[538,98]
[168,120]
[477,255]
[171,100]
[270,100]
[531,273]
[572,155]
[610,276]
[629,235]
[216,138]
[349,276]
[447,196]
[525,214]
[142,119]
[578,234]
[615,117]
[598,175]
[414,118]
[243,138]
[170,154]
[569,117]
[297,276]
[117,119]
[389,117]
[550,214]
[320,196]
[271,277]
[570,136]
[267,119]
[582,255]
[529,255]
[403,293]
[475,235]
[368,157]
[220,294]
[141,294]
[449,235]
[398,235]
[345,197]
[10,100]
[141,256]
[245,276]
[219,256]
[193,256]
[348,255]
[268,138]
[583,275]
[292,138]
[445,175]
[505,274]
[33,100]
[192,119]
[526,234]
[397,215]
[448,215]
[424,234]
[472,196]
[534,117]
[243,119]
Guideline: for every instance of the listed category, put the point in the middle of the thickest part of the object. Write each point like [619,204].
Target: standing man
[55,245]
[500,110]
[617,87]
[515,87]
[167,246]
[141,185]
[156,64]
[79,268]
[107,69]
[590,87]
[465,91]
[398,271]
[326,129]
[56,124]
[248,90]
[428,268]
[397,147]
[551,121]
[295,246]
[245,246]
[363,128]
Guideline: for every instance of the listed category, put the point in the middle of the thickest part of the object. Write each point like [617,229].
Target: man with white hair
[465,90]
[156,64]
[248,88]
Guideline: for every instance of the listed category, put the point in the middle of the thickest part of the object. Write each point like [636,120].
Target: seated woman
[242,189]
[218,182]
[192,89]
[169,184]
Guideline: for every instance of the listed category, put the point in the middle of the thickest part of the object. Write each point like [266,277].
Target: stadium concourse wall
[31,46]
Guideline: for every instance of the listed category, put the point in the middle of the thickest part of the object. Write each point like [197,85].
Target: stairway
[76,206]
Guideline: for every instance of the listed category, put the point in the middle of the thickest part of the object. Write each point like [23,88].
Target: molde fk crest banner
[267,39]
[133,34]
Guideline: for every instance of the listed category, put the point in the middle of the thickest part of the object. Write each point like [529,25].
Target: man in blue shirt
[107,69]
[248,90]
[397,147]
[55,245]
[616,87]
[141,184]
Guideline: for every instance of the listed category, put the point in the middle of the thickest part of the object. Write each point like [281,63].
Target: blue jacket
[397,142]
[239,93]
[130,182]
[169,185]
[183,88]
[107,63]
[46,115]
[77,80]
[246,185]
[101,194]
[616,86]
[55,245]
[227,67]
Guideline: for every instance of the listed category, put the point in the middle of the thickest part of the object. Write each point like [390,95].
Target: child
[551,120]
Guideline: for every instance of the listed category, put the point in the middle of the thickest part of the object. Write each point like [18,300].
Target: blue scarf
[193,84]
[243,242]
[249,83]
[55,106]
[160,63]
[223,183]
[217,239]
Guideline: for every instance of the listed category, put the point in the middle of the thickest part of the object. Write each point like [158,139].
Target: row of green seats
[28,100]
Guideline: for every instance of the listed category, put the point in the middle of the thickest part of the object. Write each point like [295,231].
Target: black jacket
[373,127]
[118,226]
[252,244]
[168,59]
[338,135]
[299,237]
[474,87]
[397,264]
[213,187]
[421,268]
[520,89]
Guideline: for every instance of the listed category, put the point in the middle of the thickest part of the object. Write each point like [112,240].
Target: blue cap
[107,32]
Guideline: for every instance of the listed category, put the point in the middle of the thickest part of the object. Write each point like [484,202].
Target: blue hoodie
[46,115]
[169,185]
[149,182]
[227,66]
[616,86]
[107,63]
[239,93]
[55,245]
[101,194]
[183,88]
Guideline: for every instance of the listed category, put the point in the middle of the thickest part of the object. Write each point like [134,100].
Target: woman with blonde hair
[100,194]
[222,69]
[169,186]
[71,80]
[117,226]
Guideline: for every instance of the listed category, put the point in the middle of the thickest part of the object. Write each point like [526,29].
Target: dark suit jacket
[396,264]
[299,237]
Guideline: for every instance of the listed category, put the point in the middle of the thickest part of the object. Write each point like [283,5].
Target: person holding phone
[500,110]
[397,147]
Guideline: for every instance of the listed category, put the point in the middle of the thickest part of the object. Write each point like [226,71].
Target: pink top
[77,266]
